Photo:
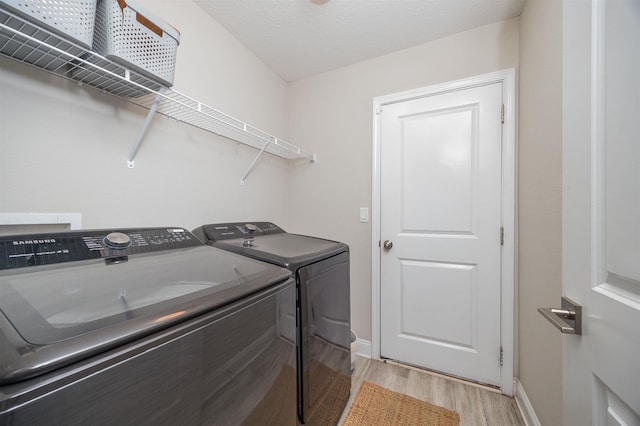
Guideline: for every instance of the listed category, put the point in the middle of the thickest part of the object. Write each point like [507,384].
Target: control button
[117,240]
[251,227]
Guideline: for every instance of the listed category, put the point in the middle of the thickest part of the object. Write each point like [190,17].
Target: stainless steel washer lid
[290,251]
[54,313]
[267,241]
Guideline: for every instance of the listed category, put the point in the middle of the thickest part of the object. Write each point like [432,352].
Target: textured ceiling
[300,38]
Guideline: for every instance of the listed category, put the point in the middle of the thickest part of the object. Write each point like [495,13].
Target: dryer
[322,307]
[142,327]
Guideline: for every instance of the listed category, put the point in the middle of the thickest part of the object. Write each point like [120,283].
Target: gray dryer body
[322,306]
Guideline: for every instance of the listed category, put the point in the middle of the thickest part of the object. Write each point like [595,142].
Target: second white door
[440,266]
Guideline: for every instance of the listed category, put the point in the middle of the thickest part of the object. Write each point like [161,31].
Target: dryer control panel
[19,251]
[228,231]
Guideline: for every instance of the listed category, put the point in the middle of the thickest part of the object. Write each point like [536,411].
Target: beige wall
[64,148]
[540,205]
[331,114]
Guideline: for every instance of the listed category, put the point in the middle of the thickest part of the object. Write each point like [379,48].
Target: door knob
[387,245]
[568,319]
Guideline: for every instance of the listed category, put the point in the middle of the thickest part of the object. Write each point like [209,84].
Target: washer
[142,327]
[321,271]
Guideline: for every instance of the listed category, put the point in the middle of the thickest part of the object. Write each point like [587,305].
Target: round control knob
[251,227]
[117,240]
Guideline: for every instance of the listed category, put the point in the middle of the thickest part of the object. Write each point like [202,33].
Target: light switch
[364,214]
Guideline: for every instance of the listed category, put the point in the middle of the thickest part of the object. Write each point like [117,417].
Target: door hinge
[502,235]
[502,114]
[501,356]
[378,109]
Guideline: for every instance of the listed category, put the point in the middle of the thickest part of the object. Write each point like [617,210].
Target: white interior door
[601,210]
[440,208]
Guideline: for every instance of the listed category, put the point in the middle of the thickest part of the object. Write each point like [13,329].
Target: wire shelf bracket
[145,127]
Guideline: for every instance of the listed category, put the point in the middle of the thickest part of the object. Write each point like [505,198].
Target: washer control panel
[228,231]
[20,251]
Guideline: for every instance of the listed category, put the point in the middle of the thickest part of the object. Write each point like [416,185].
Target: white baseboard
[364,348]
[526,409]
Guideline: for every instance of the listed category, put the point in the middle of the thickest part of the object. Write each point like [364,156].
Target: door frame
[507,316]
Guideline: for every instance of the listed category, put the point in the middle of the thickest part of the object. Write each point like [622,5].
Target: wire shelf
[28,43]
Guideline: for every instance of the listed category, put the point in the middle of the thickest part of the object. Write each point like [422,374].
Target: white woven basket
[71,19]
[133,37]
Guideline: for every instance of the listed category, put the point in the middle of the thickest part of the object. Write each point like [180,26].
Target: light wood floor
[477,405]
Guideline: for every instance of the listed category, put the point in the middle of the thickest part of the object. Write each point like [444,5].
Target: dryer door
[324,339]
